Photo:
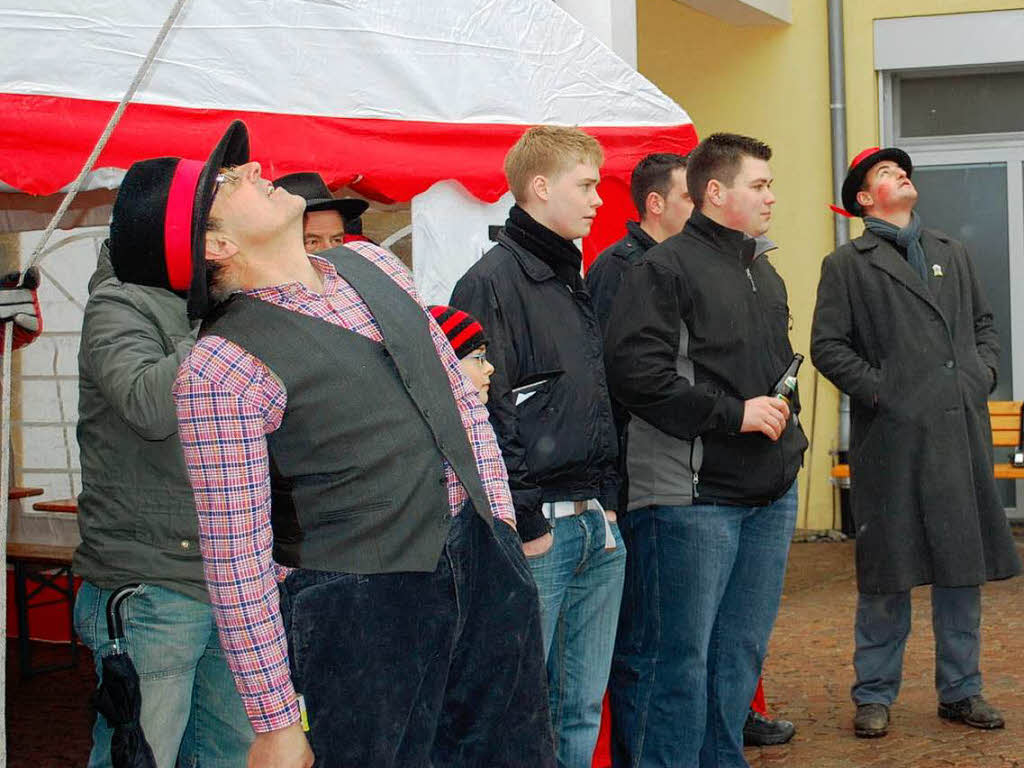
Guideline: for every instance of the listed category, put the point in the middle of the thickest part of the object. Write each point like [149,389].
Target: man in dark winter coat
[551,410]
[902,327]
[697,338]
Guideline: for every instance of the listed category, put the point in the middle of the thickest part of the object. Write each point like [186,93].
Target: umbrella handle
[115,626]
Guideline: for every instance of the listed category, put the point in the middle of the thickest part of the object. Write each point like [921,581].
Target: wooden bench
[1005,416]
[16,492]
[57,505]
[46,566]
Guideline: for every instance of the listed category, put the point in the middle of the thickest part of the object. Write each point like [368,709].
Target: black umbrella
[117,698]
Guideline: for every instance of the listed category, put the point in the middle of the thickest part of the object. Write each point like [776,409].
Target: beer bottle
[786,386]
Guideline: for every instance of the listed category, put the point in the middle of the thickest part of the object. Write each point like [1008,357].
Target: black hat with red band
[158,227]
[859,167]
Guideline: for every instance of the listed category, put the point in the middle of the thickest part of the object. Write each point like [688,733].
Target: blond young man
[550,408]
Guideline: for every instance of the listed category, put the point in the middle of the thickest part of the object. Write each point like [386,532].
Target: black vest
[356,474]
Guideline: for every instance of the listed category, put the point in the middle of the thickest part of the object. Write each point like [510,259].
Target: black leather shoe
[760,731]
[871,721]
[974,711]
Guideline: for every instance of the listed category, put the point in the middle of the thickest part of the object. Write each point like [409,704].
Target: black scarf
[560,254]
[907,239]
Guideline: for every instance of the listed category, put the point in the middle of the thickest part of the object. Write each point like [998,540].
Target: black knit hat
[158,226]
[311,188]
[464,331]
[859,167]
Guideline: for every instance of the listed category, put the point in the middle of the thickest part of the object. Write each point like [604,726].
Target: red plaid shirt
[228,402]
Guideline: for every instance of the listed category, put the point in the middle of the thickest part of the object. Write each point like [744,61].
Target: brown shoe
[974,711]
[871,721]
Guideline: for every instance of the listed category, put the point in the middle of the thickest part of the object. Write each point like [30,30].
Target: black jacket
[604,277]
[698,327]
[918,360]
[559,442]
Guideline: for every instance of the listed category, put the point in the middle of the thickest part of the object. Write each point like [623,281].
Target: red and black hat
[158,227]
[859,167]
[311,188]
[464,331]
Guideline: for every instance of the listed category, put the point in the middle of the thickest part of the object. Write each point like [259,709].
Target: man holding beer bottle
[696,347]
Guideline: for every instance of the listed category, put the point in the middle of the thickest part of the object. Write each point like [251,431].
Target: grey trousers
[881,630]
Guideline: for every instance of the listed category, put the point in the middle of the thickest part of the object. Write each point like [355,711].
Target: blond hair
[547,150]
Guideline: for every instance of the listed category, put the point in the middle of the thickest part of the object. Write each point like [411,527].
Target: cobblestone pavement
[807,678]
[809,671]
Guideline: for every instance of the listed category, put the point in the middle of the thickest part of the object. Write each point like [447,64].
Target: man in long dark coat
[901,325]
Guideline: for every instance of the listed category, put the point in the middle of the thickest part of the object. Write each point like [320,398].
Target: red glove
[19,304]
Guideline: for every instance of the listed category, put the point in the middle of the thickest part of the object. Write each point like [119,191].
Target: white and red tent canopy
[387,97]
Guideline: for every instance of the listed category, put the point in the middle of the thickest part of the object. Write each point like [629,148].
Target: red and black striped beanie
[462,329]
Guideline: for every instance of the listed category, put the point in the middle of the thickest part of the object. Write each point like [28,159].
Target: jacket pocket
[349,513]
[175,534]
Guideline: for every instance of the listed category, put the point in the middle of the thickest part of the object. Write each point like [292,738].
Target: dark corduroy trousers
[418,670]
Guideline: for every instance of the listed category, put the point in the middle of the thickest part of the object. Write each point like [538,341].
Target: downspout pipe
[837,110]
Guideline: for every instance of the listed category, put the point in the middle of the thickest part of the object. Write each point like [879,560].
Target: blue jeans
[191,710]
[424,670]
[880,632]
[580,588]
[703,585]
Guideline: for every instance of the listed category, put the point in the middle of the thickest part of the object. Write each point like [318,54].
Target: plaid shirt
[228,402]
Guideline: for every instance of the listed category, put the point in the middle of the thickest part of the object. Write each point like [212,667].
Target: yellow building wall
[772,82]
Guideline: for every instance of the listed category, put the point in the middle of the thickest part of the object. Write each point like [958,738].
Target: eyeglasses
[226,176]
[480,357]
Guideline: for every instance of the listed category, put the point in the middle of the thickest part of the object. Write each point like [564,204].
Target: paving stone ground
[807,677]
[809,671]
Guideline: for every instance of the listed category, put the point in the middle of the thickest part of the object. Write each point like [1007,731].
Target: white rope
[5,487]
[5,406]
[111,124]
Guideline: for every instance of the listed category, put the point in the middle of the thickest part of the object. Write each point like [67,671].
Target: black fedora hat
[859,167]
[311,188]
[158,226]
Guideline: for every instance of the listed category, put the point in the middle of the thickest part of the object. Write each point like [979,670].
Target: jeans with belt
[703,585]
[579,582]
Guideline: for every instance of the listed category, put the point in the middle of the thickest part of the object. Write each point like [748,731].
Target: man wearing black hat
[328,221]
[136,511]
[901,325]
[347,483]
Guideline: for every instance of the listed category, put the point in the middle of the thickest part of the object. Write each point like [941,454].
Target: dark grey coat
[918,363]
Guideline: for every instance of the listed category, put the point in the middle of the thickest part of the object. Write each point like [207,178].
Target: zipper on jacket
[696,472]
[750,277]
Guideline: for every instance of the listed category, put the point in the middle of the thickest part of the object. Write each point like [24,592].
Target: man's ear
[655,203]
[865,199]
[713,193]
[219,247]
[540,187]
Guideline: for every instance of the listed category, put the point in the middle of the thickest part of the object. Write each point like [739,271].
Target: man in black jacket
[902,326]
[697,338]
[658,188]
[551,411]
